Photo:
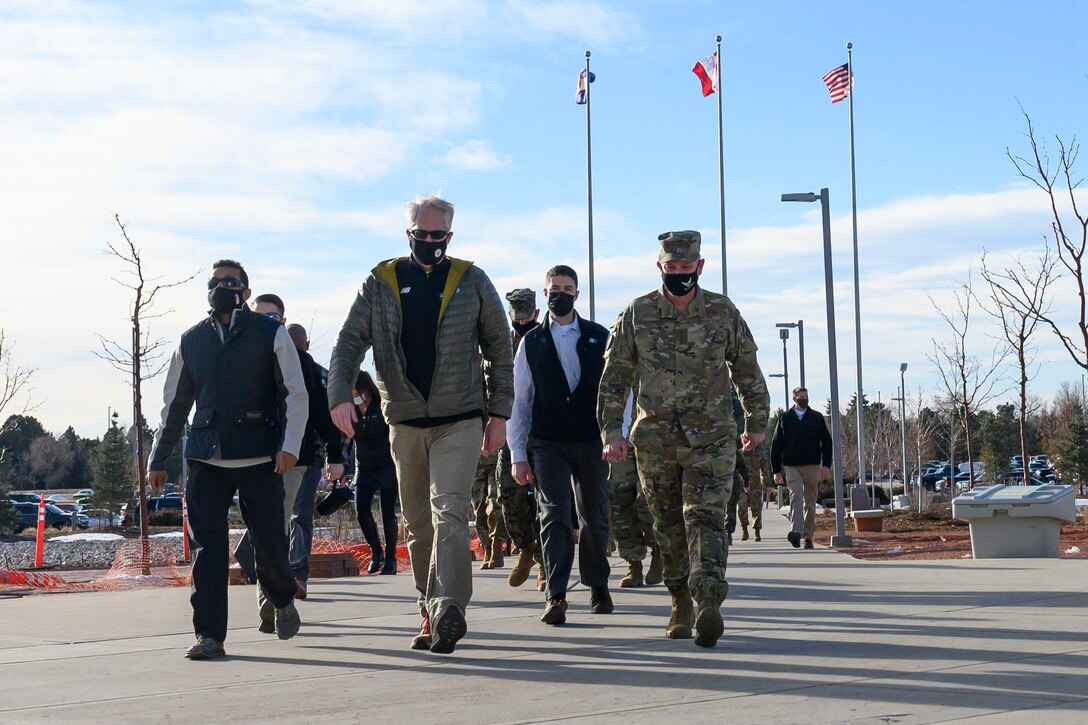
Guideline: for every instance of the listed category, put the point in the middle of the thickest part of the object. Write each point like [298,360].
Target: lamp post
[840,538]
[785,336]
[800,325]
[903,421]
[779,375]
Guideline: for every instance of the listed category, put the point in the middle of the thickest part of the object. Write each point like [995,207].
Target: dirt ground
[932,534]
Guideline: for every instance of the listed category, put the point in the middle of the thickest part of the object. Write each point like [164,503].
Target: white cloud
[474,156]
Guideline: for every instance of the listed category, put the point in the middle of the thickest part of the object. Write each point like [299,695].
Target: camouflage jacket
[683,367]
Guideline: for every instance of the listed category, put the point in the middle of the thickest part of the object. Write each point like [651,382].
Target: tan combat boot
[709,625]
[634,575]
[541,578]
[496,560]
[520,573]
[485,544]
[683,614]
[654,574]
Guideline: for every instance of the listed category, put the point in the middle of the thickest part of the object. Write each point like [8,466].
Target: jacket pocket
[203,417]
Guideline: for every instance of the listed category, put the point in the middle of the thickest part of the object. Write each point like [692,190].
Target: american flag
[838,82]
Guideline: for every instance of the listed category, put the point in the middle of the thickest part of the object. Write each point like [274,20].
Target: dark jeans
[555,464]
[302,523]
[208,495]
[382,481]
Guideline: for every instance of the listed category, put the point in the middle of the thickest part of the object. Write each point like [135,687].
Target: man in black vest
[557,373]
[242,372]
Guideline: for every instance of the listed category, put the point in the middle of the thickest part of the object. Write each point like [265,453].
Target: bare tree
[968,381]
[1019,298]
[922,427]
[1068,228]
[14,380]
[142,359]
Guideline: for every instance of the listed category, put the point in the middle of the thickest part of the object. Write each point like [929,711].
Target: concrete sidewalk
[811,636]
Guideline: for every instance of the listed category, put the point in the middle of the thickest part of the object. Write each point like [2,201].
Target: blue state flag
[583,87]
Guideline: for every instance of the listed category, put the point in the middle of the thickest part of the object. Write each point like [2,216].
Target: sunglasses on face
[274,315]
[228,282]
[422,234]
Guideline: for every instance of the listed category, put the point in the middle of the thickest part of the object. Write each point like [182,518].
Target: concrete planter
[868,520]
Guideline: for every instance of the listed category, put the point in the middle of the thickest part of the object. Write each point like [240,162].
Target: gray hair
[434,201]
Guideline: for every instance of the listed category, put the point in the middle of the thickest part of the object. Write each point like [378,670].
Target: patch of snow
[896,550]
[88,537]
[1073,550]
[166,535]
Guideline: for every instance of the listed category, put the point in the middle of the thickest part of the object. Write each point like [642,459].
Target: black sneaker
[205,648]
[600,601]
[795,539]
[447,630]
[808,544]
[555,611]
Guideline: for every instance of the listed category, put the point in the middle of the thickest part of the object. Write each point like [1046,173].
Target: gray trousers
[556,465]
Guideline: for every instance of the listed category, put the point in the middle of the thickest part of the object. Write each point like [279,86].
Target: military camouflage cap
[522,302]
[679,246]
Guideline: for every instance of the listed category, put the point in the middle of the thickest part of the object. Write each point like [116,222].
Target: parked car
[55,518]
[102,518]
[161,511]
[83,492]
[18,497]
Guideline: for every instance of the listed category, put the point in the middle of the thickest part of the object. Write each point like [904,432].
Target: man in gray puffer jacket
[428,318]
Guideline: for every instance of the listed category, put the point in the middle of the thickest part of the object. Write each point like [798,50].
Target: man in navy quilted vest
[242,372]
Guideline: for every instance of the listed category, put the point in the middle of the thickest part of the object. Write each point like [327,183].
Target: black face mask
[560,303]
[225,300]
[802,403]
[428,253]
[520,328]
[679,284]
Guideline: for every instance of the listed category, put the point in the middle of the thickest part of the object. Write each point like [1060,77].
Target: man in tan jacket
[428,319]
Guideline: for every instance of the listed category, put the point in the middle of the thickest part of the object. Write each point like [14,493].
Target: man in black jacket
[801,450]
[319,430]
[557,375]
[243,373]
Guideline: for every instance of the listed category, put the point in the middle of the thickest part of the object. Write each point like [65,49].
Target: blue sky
[289,135]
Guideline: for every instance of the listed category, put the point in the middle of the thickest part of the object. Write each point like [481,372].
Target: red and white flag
[707,70]
[838,82]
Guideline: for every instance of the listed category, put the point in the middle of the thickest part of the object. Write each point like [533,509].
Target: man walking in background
[801,454]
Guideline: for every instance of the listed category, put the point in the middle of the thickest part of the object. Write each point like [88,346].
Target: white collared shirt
[566,344]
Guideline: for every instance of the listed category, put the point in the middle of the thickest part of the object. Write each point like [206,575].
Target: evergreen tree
[999,434]
[9,517]
[1074,453]
[113,475]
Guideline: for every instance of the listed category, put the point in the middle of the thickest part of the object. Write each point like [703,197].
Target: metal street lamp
[785,335]
[903,423]
[840,539]
[800,325]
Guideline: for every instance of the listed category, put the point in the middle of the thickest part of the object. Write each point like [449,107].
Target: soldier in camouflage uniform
[631,524]
[740,485]
[682,349]
[758,477]
[516,501]
[490,527]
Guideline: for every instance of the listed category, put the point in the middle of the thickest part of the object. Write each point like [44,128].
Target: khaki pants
[804,482]
[435,468]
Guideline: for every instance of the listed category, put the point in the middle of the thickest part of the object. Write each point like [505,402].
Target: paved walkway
[811,636]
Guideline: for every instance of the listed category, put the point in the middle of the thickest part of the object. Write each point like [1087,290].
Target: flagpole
[857,284]
[721,157]
[589,195]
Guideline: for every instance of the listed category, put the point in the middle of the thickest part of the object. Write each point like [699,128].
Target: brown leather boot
[541,579]
[683,614]
[634,575]
[496,560]
[709,625]
[520,573]
[654,574]
[485,544]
